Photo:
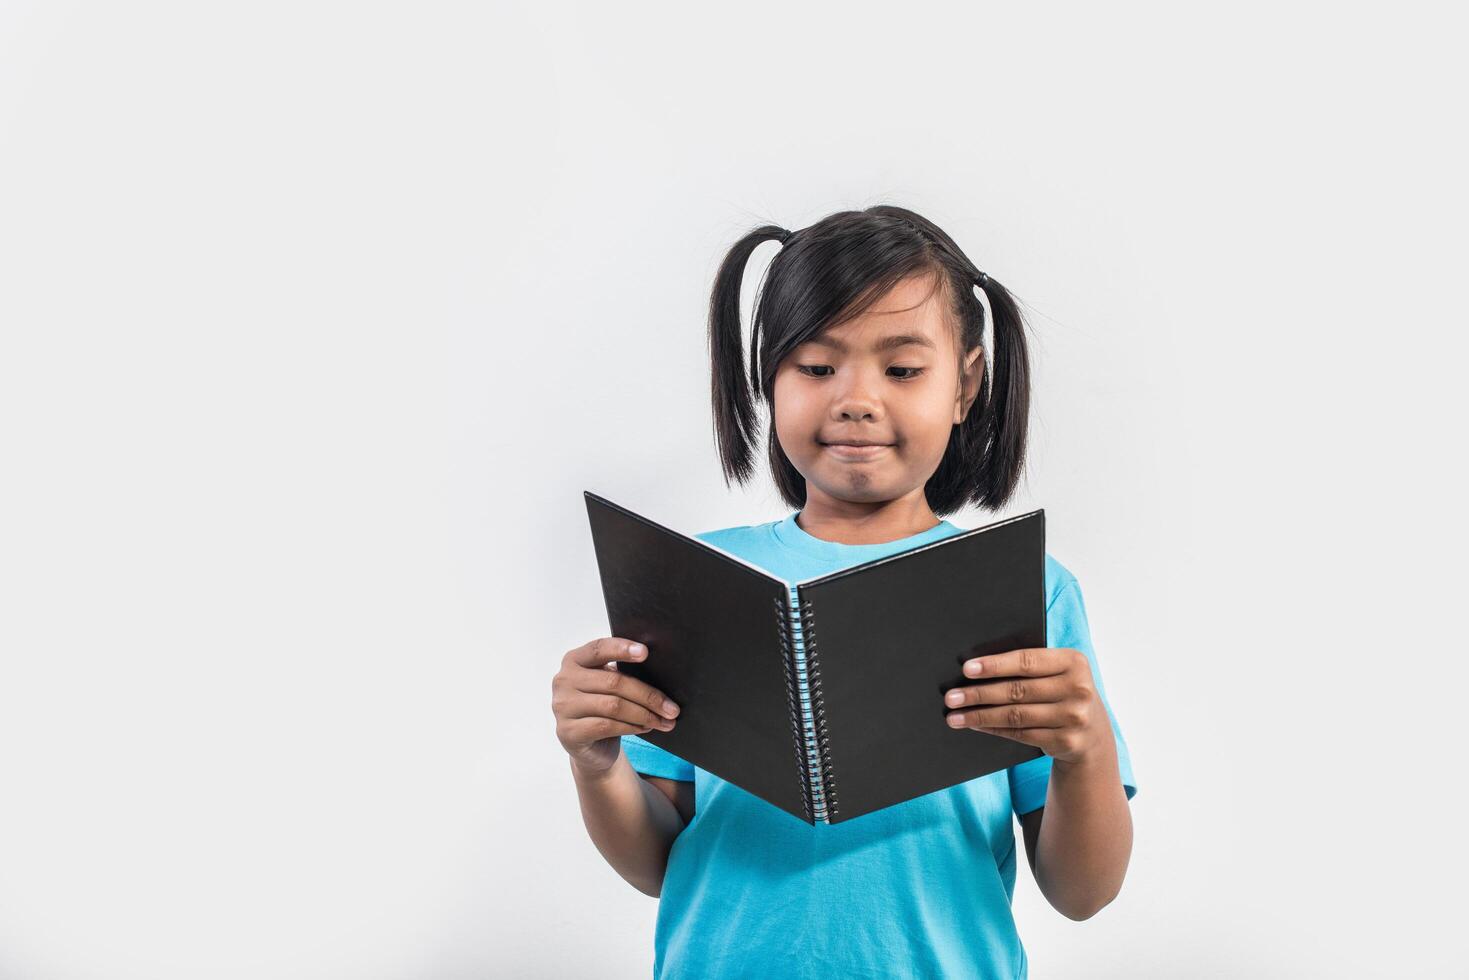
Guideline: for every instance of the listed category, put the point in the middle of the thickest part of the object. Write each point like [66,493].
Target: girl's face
[889,378]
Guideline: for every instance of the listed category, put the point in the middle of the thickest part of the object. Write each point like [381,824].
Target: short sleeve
[650,760]
[1066,626]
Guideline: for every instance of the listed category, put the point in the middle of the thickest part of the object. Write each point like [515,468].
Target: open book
[823,697]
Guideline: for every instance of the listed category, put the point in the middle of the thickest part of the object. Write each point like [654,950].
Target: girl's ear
[971,377]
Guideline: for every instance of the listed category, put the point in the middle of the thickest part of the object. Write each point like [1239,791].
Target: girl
[867,347]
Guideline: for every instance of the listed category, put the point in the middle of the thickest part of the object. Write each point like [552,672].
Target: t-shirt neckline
[793,536]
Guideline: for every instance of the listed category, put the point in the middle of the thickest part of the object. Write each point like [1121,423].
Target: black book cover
[857,724]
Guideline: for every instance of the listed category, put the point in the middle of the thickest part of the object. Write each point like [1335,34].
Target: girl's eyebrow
[886,343]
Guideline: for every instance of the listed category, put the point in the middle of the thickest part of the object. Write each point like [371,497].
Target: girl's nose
[853,412]
[855,402]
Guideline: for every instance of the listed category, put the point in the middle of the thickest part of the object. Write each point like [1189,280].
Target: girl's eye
[808,369]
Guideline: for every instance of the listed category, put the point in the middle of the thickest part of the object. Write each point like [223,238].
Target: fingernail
[972,667]
[956,721]
[669,708]
[954,697]
[636,649]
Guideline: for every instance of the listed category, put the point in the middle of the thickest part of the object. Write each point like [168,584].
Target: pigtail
[732,385]
[1005,414]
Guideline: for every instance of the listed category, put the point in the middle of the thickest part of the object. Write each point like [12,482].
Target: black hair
[830,272]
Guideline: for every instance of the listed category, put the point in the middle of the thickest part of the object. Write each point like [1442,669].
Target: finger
[1027,715]
[629,687]
[584,704]
[1008,691]
[607,649]
[1028,662]
[592,729]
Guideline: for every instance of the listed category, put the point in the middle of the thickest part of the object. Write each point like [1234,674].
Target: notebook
[855,721]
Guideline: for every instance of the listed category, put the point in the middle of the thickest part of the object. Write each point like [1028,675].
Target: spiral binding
[823,740]
[808,714]
[788,656]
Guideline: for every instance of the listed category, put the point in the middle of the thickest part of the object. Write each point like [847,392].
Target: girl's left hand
[1040,696]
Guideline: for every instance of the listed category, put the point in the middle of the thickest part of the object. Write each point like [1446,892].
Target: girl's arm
[680,793]
[1079,843]
[632,823]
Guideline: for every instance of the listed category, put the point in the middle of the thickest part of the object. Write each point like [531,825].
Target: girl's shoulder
[1058,580]
[723,536]
[753,544]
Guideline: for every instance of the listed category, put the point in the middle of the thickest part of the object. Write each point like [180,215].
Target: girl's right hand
[595,704]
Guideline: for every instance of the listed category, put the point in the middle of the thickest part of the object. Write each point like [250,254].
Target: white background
[319,318]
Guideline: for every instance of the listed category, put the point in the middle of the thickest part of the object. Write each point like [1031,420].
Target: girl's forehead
[876,337]
[880,334]
[912,310]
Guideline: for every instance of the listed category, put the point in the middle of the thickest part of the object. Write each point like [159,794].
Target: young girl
[868,349]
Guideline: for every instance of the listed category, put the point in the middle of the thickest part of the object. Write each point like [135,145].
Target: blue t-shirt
[921,888]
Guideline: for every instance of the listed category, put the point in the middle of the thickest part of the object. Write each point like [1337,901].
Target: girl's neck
[856,522]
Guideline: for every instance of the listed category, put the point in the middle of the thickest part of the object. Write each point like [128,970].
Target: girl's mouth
[855,452]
